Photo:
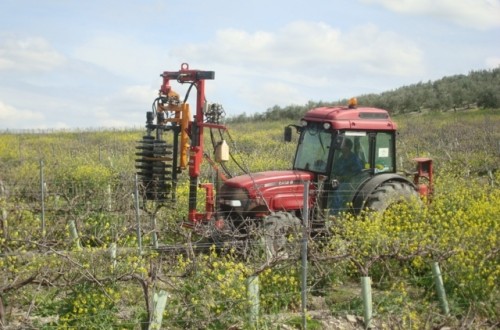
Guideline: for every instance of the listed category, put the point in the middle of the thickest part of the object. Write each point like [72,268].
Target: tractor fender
[368,186]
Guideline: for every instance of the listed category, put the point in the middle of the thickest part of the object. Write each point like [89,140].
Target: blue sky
[69,64]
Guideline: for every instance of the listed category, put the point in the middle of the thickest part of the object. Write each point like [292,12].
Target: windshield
[313,149]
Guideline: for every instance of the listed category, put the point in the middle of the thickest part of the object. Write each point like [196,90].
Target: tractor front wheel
[280,231]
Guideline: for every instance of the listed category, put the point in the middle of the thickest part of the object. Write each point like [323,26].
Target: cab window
[384,161]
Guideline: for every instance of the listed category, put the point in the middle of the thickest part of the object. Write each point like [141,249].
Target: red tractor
[345,158]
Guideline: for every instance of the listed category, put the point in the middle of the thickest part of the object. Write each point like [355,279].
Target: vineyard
[79,250]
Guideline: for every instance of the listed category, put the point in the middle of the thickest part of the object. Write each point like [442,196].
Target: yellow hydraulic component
[182,116]
[184,148]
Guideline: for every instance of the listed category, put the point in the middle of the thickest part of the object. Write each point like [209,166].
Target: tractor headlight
[231,202]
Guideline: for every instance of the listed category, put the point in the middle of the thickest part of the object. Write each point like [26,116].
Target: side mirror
[339,141]
[288,134]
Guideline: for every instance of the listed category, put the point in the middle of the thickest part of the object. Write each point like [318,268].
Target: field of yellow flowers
[81,260]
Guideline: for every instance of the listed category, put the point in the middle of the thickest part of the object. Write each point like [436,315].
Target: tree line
[476,89]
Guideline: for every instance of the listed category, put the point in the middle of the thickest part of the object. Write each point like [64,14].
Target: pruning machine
[160,163]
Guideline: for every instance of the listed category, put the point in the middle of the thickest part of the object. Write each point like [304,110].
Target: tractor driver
[348,164]
[344,168]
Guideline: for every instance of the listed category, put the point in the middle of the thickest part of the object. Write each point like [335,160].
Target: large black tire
[389,194]
[268,238]
[280,231]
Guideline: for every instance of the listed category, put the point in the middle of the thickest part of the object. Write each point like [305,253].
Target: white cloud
[103,116]
[28,54]
[120,54]
[139,93]
[132,97]
[265,95]
[382,52]
[477,14]
[292,64]
[60,125]
[306,48]
[9,114]
[492,62]
[125,108]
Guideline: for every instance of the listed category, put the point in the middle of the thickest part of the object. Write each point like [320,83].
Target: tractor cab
[342,154]
[344,147]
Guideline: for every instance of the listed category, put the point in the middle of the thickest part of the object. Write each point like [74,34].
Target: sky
[71,64]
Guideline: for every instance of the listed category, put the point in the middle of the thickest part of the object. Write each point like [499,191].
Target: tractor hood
[279,190]
[268,179]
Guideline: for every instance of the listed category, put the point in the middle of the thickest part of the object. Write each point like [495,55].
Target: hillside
[478,89]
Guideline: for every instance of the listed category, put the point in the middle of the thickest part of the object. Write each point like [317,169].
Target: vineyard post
[20,148]
[109,198]
[137,215]
[74,235]
[438,280]
[42,197]
[112,254]
[159,303]
[253,298]
[491,177]
[366,293]
[305,227]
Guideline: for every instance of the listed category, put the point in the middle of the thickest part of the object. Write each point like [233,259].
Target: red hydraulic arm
[197,79]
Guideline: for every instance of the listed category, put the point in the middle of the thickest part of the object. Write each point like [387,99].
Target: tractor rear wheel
[389,194]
